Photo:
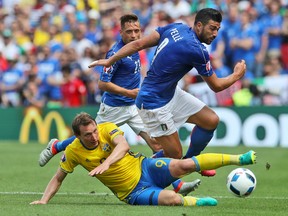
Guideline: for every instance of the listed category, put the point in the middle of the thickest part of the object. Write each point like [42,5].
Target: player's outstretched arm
[130,48]
[52,187]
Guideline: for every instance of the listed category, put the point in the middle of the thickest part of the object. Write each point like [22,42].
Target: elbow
[102,85]
[216,88]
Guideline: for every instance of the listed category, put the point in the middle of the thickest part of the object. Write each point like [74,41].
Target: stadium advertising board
[251,126]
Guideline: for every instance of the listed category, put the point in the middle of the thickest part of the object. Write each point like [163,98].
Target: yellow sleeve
[69,158]
[109,131]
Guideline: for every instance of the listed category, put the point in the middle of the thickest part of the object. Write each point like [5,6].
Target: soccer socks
[193,201]
[210,161]
[199,139]
[61,145]
[177,185]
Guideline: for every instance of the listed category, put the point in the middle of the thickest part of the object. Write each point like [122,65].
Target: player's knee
[214,121]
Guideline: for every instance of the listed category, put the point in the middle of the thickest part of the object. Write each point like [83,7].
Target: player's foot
[47,154]
[205,201]
[248,158]
[208,173]
[188,187]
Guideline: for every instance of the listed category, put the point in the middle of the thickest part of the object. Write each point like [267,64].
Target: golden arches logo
[42,125]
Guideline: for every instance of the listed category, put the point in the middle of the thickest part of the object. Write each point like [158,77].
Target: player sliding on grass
[120,84]
[162,105]
[135,179]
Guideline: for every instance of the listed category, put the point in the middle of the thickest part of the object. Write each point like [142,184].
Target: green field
[22,181]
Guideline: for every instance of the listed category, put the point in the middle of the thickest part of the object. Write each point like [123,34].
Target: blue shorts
[154,178]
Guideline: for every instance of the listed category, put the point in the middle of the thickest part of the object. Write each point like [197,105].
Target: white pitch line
[111,194]
[60,193]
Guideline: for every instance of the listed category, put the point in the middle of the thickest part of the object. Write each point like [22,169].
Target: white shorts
[120,116]
[168,119]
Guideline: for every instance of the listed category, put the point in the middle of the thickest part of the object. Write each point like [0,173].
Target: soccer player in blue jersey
[120,83]
[162,105]
[135,179]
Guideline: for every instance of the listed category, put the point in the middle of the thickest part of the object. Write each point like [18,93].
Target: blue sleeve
[202,63]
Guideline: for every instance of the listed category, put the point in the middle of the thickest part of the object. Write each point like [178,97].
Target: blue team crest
[63,158]
[107,148]
[208,66]
[108,69]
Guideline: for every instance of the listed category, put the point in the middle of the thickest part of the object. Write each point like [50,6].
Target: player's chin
[94,143]
[209,40]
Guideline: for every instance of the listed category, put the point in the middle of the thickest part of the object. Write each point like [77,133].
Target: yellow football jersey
[122,176]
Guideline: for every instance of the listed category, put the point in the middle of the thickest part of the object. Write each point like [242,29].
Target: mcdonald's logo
[43,126]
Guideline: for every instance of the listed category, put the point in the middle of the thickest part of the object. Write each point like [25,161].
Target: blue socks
[199,139]
[61,145]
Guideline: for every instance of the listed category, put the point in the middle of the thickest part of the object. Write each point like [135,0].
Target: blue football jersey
[125,73]
[178,51]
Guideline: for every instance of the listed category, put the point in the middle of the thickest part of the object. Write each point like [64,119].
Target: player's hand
[99,170]
[37,202]
[101,62]
[132,93]
[239,69]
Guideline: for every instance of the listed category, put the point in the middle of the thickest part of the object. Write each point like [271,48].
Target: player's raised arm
[52,187]
[218,84]
[130,48]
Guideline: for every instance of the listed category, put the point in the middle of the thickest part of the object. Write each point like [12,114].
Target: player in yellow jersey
[135,179]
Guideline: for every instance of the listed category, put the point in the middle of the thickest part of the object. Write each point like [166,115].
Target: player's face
[89,135]
[130,32]
[208,32]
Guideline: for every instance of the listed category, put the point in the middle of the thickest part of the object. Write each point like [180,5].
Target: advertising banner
[261,126]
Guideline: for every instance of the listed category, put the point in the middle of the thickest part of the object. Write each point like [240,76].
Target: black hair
[206,14]
[128,18]
[66,69]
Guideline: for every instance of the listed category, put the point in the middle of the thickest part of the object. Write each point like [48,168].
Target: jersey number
[160,47]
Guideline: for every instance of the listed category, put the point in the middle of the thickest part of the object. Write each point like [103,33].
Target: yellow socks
[211,161]
[189,201]
[204,201]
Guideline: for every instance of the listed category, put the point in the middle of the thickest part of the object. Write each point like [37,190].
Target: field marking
[60,193]
[111,194]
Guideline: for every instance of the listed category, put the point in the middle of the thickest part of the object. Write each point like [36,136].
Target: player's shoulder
[115,47]
[106,126]
[73,147]
[109,129]
[169,26]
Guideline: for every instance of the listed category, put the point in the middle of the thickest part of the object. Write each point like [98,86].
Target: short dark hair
[128,18]
[82,118]
[206,14]
[66,69]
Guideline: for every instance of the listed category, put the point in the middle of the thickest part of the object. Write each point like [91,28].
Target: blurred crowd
[46,46]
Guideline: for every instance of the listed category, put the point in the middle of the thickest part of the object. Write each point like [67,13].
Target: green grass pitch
[22,181]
